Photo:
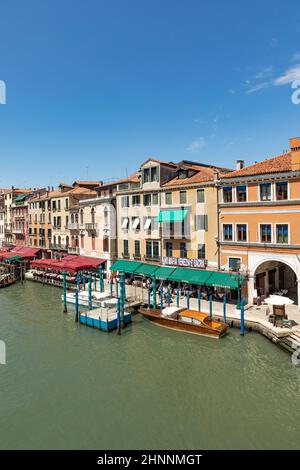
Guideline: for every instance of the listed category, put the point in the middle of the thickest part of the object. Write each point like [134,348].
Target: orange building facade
[259,224]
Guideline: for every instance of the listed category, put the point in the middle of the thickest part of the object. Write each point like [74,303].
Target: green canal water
[71,387]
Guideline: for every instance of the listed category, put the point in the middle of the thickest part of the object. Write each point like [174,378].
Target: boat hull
[179,325]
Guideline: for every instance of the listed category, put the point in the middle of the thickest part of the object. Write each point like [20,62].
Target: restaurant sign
[184,262]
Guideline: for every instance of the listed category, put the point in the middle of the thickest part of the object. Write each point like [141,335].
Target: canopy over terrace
[191,276]
[70,264]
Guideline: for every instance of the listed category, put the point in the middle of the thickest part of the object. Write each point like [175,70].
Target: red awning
[70,264]
[26,252]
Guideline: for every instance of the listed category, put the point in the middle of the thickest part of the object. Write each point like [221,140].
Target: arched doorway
[276,277]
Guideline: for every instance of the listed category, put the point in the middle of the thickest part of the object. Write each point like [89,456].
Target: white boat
[83,298]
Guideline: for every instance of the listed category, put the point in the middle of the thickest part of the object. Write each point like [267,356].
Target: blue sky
[95,87]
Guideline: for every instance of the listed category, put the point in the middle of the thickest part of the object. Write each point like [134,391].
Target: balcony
[7,229]
[73,250]
[152,258]
[137,256]
[55,246]
[73,226]
[125,255]
[91,227]
[19,231]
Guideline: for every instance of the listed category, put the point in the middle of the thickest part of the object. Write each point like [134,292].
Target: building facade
[259,207]
[39,220]
[167,214]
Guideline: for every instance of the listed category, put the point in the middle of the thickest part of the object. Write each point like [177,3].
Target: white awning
[147,224]
[125,223]
[136,223]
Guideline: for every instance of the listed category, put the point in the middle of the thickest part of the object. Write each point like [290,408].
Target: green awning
[164,273]
[12,259]
[172,216]
[192,276]
[125,266]
[146,269]
[230,281]
[20,198]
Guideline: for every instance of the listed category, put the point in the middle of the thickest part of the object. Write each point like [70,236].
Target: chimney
[295,153]
[240,164]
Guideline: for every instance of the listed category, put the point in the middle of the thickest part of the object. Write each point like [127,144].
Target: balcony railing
[91,226]
[73,226]
[19,231]
[125,255]
[73,250]
[56,246]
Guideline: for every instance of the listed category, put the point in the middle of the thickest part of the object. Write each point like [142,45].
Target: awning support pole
[210,306]
[199,300]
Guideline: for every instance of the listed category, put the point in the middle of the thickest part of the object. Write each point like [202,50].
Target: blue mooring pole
[188,299]
[149,298]
[117,288]
[111,287]
[64,274]
[242,317]
[210,306]
[199,300]
[101,284]
[161,299]
[95,283]
[178,297]
[119,315]
[90,291]
[224,308]
[76,306]
[168,297]
[154,291]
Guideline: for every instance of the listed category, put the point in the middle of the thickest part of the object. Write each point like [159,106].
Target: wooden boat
[182,319]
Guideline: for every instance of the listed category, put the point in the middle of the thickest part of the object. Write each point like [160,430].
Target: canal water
[71,387]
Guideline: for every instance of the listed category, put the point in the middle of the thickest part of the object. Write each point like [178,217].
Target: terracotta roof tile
[279,164]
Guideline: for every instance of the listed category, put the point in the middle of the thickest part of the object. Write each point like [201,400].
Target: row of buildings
[185,214]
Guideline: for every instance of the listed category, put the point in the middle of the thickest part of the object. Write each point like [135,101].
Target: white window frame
[275,233]
[235,194]
[288,190]
[247,232]
[259,233]
[233,238]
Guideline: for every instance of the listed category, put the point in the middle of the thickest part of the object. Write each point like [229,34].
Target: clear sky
[94,87]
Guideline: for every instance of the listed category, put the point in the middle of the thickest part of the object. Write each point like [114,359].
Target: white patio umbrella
[278,300]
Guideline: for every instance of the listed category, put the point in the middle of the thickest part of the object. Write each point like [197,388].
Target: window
[136,200]
[81,241]
[126,247]
[155,199]
[148,249]
[105,244]
[66,203]
[227,194]
[125,201]
[266,233]
[234,264]
[147,223]
[282,233]
[137,250]
[146,175]
[135,223]
[124,223]
[169,249]
[227,232]
[93,242]
[281,190]
[168,198]
[265,192]
[183,250]
[81,217]
[147,200]
[241,232]
[201,251]
[201,222]
[154,173]
[155,249]
[241,193]
[182,197]
[93,216]
[58,205]
[200,195]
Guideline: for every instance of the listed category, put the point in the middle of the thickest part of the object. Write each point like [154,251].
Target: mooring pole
[76,306]
[178,297]
[111,287]
[199,300]
[161,299]
[117,288]
[119,316]
[95,283]
[154,291]
[122,303]
[90,291]
[242,317]
[149,298]
[224,308]
[210,306]
[64,274]
[168,297]
[188,299]
[101,284]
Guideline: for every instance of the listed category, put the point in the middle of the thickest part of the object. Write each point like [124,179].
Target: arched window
[72,218]
[105,215]
[59,240]
[81,216]
[67,240]
[76,218]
